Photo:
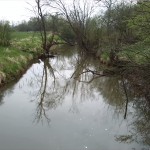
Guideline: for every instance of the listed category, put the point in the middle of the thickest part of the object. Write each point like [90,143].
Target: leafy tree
[23,26]
[141,20]
[120,15]
[33,24]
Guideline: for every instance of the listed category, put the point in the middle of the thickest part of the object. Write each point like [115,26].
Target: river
[59,105]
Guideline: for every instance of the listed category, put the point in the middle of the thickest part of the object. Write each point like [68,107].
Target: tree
[109,5]
[5,32]
[79,18]
[65,31]
[120,15]
[48,39]
[33,25]
[41,21]
[23,26]
[141,20]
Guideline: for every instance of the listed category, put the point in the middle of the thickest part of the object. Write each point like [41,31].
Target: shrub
[4,33]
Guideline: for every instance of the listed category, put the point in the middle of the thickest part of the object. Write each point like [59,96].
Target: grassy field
[15,58]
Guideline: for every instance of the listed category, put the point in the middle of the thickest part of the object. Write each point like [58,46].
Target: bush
[67,34]
[4,33]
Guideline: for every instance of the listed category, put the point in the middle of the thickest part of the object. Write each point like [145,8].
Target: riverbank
[15,59]
[13,63]
[26,46]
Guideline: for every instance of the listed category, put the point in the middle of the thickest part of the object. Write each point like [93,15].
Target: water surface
[56,106]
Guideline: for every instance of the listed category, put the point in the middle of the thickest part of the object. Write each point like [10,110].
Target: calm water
[56,106]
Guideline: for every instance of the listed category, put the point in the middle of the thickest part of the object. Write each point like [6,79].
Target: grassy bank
[15,59]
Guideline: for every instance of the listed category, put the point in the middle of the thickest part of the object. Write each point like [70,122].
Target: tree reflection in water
[55,82]
[118,92]
[47,96]
[1,98]
[70,76]
[41,107]
[4,92]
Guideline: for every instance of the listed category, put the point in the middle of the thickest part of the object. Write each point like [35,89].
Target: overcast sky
[15,10]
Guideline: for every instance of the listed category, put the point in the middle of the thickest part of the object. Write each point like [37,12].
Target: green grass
[15,58]
[30,41]
[13,61]
[22,35]
[26,41]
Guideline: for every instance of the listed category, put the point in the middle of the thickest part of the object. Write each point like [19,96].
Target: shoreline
[14,74]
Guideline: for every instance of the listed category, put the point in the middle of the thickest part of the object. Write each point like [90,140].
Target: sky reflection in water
[53,107]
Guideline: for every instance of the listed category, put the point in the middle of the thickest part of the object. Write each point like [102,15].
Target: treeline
[122,24]
[31,25]
[53,23]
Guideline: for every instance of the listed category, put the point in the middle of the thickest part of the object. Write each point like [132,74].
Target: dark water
[56,106]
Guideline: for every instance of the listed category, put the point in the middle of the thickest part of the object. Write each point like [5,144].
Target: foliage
[65,31]
[139,53]
[141,20]
[26,26]
[139,23]
[120,15]
[5,32]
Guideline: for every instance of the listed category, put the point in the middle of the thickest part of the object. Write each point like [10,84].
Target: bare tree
[79,18]
[108,4]
[41,13]
[41,21]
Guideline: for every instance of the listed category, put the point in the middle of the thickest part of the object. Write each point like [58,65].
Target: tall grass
[5,31]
